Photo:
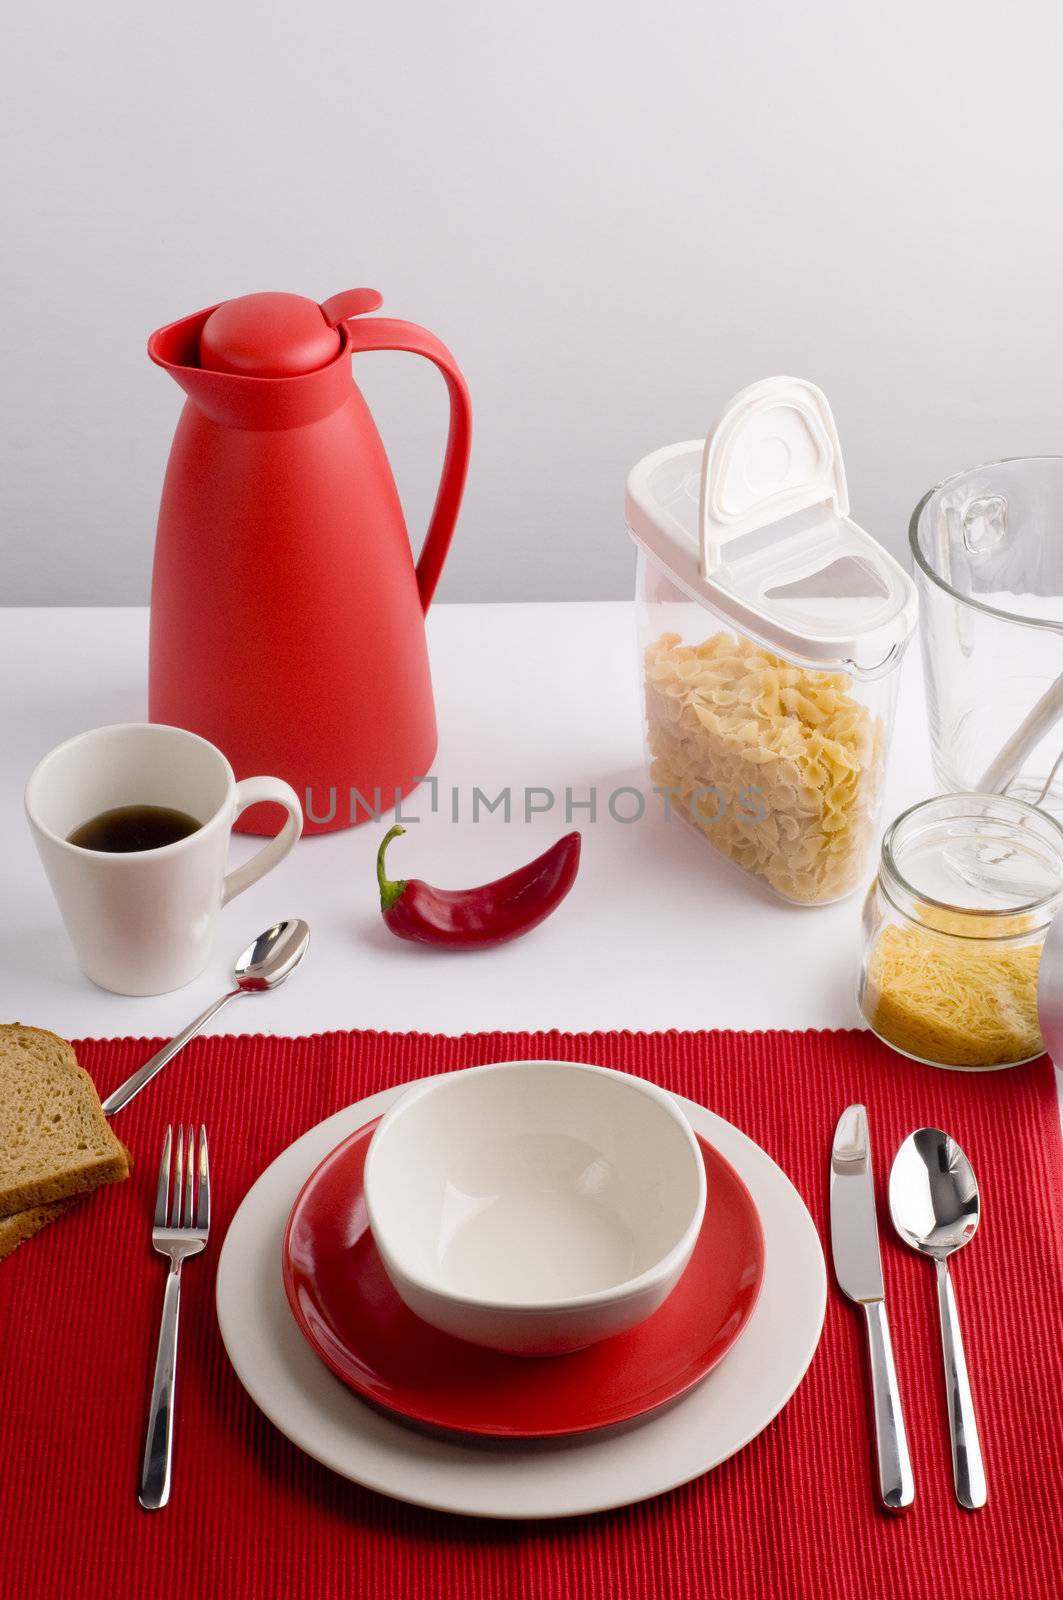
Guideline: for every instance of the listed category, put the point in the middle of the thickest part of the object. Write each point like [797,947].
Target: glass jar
[771,628]
[989,569]
[953,930]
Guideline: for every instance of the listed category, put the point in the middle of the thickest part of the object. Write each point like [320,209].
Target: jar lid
[753,522]
[268,336]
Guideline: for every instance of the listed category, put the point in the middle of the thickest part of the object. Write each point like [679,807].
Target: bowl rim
[614,1294]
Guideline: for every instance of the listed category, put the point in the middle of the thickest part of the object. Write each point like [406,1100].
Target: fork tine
[203,1210]
[178,1177]
[162,1196]
[190,1216]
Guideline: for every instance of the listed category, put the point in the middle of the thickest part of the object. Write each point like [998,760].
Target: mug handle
[248,793]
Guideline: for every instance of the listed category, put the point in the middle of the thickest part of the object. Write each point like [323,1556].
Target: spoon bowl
[936,1209]
[934,1200]
[270,958]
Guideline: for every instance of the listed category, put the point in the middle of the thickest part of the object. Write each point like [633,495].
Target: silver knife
[858,1267]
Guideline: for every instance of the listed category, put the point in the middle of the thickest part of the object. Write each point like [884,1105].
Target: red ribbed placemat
[792,1516]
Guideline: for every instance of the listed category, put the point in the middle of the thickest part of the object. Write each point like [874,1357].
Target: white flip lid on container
[754,523]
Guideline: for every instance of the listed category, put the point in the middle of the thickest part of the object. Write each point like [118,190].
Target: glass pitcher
[988,553]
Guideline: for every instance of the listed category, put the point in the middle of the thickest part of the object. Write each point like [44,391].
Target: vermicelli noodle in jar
[954,927]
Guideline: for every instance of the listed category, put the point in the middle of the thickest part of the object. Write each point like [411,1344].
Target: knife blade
[853,1219]
[858,1268]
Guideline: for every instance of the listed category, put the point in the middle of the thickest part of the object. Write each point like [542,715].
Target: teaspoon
[935,1208]
[263,965]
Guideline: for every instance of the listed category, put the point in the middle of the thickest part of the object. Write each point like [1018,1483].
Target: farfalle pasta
[779,766]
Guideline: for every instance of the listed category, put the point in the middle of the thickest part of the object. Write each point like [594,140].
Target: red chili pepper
[470,919]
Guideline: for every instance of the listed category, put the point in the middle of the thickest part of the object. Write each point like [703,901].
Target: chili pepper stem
[391,889]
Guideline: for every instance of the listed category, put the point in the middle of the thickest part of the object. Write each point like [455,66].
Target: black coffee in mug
[127,828]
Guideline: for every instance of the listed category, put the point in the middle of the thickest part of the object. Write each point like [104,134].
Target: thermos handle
[383,333]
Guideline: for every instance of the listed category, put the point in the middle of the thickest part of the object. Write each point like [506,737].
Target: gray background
[616,216]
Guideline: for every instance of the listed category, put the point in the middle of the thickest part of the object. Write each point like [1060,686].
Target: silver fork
[180,1230]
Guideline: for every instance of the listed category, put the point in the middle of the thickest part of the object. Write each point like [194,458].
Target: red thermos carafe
[287,615]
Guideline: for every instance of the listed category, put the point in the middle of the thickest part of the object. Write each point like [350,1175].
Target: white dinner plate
[318,1413]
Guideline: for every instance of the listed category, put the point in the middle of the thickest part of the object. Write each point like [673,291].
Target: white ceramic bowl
[534,1206]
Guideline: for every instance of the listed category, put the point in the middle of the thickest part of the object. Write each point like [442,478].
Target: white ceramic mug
[143,922]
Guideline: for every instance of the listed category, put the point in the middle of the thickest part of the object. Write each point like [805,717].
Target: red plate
[345,1305]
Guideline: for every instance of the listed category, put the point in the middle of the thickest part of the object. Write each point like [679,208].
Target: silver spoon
[263,965]
[935,1209]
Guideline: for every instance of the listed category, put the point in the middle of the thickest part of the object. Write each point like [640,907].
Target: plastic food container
[771,630]
[954,930]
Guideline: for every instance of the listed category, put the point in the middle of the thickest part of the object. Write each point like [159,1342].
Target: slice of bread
[55,1141]
[22,1225]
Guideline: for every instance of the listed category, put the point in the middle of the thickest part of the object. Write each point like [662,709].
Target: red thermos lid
[267,336]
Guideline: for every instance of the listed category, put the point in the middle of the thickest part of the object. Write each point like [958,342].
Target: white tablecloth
[540,698]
